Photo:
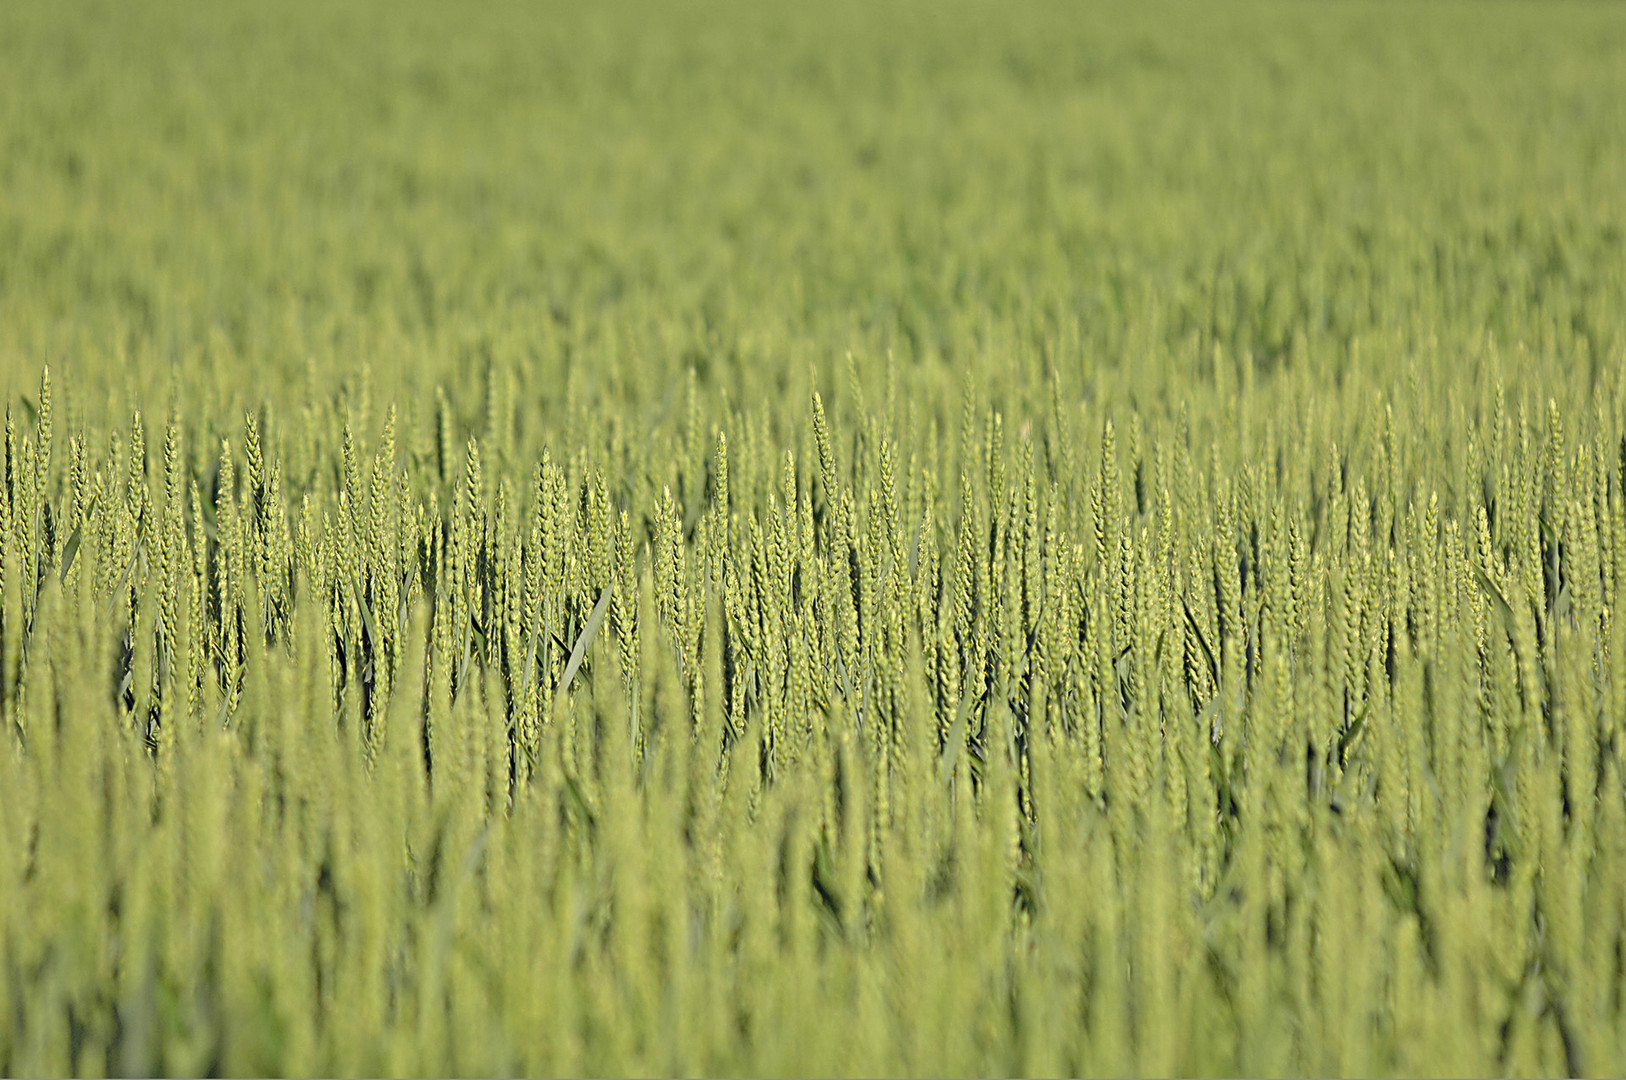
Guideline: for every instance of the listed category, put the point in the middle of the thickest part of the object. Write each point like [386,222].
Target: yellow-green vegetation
[732,538]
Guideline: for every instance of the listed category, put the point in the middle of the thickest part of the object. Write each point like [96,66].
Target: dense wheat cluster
[730,539]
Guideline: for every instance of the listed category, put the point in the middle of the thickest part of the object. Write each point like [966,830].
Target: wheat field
[895,539]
